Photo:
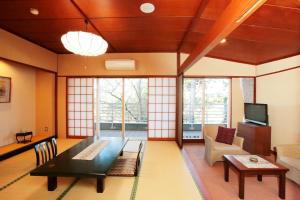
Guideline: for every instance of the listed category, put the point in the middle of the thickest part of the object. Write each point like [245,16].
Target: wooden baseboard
[161,139]
[193,141]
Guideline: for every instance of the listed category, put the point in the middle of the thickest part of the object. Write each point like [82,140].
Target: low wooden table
[65,166]
[242,170]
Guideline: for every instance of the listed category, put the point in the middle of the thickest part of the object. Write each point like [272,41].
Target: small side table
[24,140]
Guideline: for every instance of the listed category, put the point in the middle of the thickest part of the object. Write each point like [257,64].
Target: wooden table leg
[100,184]
[281,186]
[226,171]
[52,183]
[259,177]
[241,185]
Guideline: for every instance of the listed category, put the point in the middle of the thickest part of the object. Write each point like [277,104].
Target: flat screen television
[256,113]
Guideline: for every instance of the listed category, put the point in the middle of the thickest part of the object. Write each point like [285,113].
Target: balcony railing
[112,113]
[214,114]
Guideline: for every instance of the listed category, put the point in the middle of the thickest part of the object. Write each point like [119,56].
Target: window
[136,109]
[115,107]
[206,101]
[121,107]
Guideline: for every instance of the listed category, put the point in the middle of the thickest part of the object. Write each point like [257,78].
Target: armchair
[289,156]
[214,151]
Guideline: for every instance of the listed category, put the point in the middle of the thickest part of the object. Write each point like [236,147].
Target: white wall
[146,64]
[237,102]
[278,65]
[281,91]
[17,49]
[20,112]
[217,67]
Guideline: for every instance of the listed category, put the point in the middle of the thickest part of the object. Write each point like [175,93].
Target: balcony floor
[144,134]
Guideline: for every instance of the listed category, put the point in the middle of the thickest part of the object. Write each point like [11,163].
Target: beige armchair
[214,151]
[289,156]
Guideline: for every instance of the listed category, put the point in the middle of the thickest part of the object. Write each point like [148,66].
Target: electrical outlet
[46,129]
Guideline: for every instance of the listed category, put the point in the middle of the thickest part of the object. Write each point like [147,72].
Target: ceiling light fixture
[84,43]
[34,11]
[223,41]
[248,12]
[147,8]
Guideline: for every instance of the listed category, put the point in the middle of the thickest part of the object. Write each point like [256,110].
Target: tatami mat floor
[163,175]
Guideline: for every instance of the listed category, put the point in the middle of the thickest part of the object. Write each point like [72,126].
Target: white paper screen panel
[80,107]
[162,107]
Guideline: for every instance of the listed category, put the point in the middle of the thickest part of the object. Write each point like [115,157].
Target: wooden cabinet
[257,138]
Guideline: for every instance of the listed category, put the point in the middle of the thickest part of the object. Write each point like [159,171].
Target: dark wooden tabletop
[239,166]
[64,165]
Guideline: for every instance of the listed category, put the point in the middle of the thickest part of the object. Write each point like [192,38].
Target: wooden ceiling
[271,33]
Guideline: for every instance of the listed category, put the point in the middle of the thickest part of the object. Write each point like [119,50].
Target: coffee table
[230,161]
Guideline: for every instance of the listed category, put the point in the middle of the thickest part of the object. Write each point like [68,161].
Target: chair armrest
[290,150]
[208,140]
[238,141]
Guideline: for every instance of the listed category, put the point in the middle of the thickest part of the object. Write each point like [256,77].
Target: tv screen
[256,113]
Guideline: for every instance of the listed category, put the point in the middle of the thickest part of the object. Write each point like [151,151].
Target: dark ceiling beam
[91,23]
[235,13]
[192,24]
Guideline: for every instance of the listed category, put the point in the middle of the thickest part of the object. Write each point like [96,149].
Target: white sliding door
[162,108]
[80,107]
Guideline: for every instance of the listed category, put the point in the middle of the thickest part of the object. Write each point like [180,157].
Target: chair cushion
[225,147]
[123,167]
[295,162]
[225,135]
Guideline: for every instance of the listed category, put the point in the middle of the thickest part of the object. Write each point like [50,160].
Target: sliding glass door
[109,106]
[206,101]
[135,102]
[217,101]
[120,107]
[193,106]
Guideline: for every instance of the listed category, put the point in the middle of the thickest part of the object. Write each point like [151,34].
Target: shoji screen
[162,107]
[80,107]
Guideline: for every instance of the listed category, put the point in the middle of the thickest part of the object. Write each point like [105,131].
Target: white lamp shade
[84,43]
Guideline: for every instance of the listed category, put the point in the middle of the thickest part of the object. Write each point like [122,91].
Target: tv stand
[257,138]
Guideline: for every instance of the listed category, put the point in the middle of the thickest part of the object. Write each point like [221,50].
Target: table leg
[281,186]
[100,184]
[52,183]
[259,177]
[226,171]
[241,185]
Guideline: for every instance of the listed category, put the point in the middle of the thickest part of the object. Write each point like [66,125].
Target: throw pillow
[225,135]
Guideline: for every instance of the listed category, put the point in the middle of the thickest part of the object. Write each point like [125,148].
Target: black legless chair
[45,151]
[54,147]
[138,160]
[42,152]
